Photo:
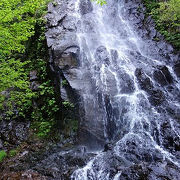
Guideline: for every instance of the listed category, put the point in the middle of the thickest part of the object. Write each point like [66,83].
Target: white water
[101,33]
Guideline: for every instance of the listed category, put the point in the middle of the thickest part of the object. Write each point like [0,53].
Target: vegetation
[3,154]
[101,2]
[23,49]
[166,14]
[12,153]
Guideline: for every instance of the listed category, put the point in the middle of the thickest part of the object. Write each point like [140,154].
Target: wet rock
[56,17]
[143,80]
[68,23]
[67,59]
[108,147]
[136,172]
[126,83]
[111,86]
[169,138]
[93,140]
[85,6]
[102,55]
[150,172]
[177,69]
[111,121]
[163,76]
[60,165]
[156,97]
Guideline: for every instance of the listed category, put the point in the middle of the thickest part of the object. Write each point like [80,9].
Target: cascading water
[128,90]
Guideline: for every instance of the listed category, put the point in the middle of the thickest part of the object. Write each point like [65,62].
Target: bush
[167,18]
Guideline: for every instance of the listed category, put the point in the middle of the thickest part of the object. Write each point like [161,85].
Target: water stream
[121,109]
[128,89]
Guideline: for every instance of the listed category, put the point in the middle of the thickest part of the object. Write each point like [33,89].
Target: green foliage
[17,24]
[44,128]
[101,2]
[45,114]
[68,104]
[23,49]
[12,152]
[167,17]
[3,154]
[64,82]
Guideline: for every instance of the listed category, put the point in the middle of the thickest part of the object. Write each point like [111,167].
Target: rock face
[124,83]
[66,63]
[13,132]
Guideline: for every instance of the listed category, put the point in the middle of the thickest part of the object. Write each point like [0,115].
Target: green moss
[3,154]
[12,152]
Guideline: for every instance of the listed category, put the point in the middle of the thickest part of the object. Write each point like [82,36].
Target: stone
[108,147]
[67,59]
[177,69]
[144,81]
[169,138]
[157,97]
[14,132]
[102,55]
[163,76]
[85,6]
[33,75]
[126,83]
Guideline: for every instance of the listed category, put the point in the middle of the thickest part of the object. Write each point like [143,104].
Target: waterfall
[129,91]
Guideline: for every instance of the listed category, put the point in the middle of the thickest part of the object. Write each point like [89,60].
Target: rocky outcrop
[125,84]
[13,133]
[65,64]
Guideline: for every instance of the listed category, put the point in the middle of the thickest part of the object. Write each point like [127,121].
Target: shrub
[167,18]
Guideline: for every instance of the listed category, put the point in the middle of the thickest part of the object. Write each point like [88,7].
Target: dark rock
[150,172]
[157,97]
[144,81]
[60,165]
[126,83]
[177,69]
[169,138]
[14,132]
[111,125]
[108,147]
[163,76]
